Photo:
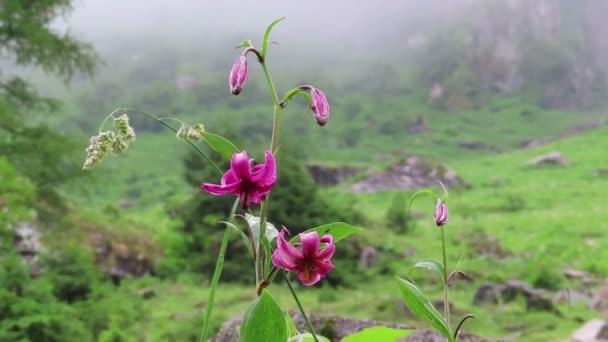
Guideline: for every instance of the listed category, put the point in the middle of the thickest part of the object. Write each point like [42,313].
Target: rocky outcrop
[411,173]
[551,158]
[329,176]
[495,293]
[593,331]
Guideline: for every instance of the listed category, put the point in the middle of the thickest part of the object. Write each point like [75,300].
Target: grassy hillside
[544,218]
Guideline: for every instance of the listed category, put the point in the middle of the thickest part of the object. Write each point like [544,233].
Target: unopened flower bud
[319,106]
[441,213]
[238,75]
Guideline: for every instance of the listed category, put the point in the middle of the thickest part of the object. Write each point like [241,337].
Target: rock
[571,296]
[410,173]
[584,277]
[505,292]
[333,327]
[147,293]
[600,299]
[551,158]
[593,331]
[485,244]
[419,126]
[328,176]
[28,242]
[601,172]
[531,143]
[472,145]
[368,258]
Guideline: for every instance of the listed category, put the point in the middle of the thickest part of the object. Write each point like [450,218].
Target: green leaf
[267,35]
[292,329]
[422,308]
[264,321]
[307,337]
[429,264]
[377,334]
[421,193]
[339,230]
[254,222]
[220,144]
[245,44]
[242,234]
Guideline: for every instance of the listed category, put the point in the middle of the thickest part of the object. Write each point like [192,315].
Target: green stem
[446,288]
[293,293]
[130,110]
[219,265]
[259,261]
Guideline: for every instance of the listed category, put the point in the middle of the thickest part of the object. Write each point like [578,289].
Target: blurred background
[504,101]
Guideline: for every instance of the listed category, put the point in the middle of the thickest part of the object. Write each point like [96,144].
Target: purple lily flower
[441,213]
[238,75]
[319,106]
[251,183]
[310,263]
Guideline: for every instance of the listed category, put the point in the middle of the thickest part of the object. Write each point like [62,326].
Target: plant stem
[219,265]
[295,297]
[259,261]
[446,288]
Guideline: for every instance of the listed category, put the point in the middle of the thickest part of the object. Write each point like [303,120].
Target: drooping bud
[238,75]
[99,146]
[441,213]
[199,127]
[122,124]
[118,145]
[319,106]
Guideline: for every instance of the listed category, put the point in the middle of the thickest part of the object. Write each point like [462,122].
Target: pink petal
[310,244]
[289,253]
[314,278]
[268,173]
[279,261]
[215,189]
[327,252]
[323,266]
[239,165]
[328,239]
[229,178]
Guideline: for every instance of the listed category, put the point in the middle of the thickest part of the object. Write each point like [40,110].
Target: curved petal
[327,252]
[310,244]
[289,253]
[216,189]
[279,261]
[239,165]
[268,173]
[328,239]
[323,266]
[228,178]
[309,279]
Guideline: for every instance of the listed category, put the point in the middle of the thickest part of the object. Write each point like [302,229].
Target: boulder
[28,242]
[599,302]
[551,158]
[329,176]
[495,293]
[593,331]
[411,173]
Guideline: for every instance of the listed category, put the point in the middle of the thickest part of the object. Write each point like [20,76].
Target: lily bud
[238,75]
[319,106]
[441,213]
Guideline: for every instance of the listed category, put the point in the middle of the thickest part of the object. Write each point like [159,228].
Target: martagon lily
[250,182]
[310,263]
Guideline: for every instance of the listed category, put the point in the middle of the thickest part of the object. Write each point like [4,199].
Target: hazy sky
[331,18]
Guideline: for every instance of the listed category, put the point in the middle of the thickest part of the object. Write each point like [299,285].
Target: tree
[27,40]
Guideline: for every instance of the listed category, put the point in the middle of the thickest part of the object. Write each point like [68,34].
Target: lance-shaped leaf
[245,44]
[377,334]
[429,264]
[220,144]
[264,321]
[267,35]
[423,309]
[339,230]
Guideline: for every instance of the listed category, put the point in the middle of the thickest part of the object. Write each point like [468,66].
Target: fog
[336,23]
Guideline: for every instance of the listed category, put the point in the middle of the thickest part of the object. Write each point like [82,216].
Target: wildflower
[319,106]
[248,181]
[238,75]
[441,213]
[310,262]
